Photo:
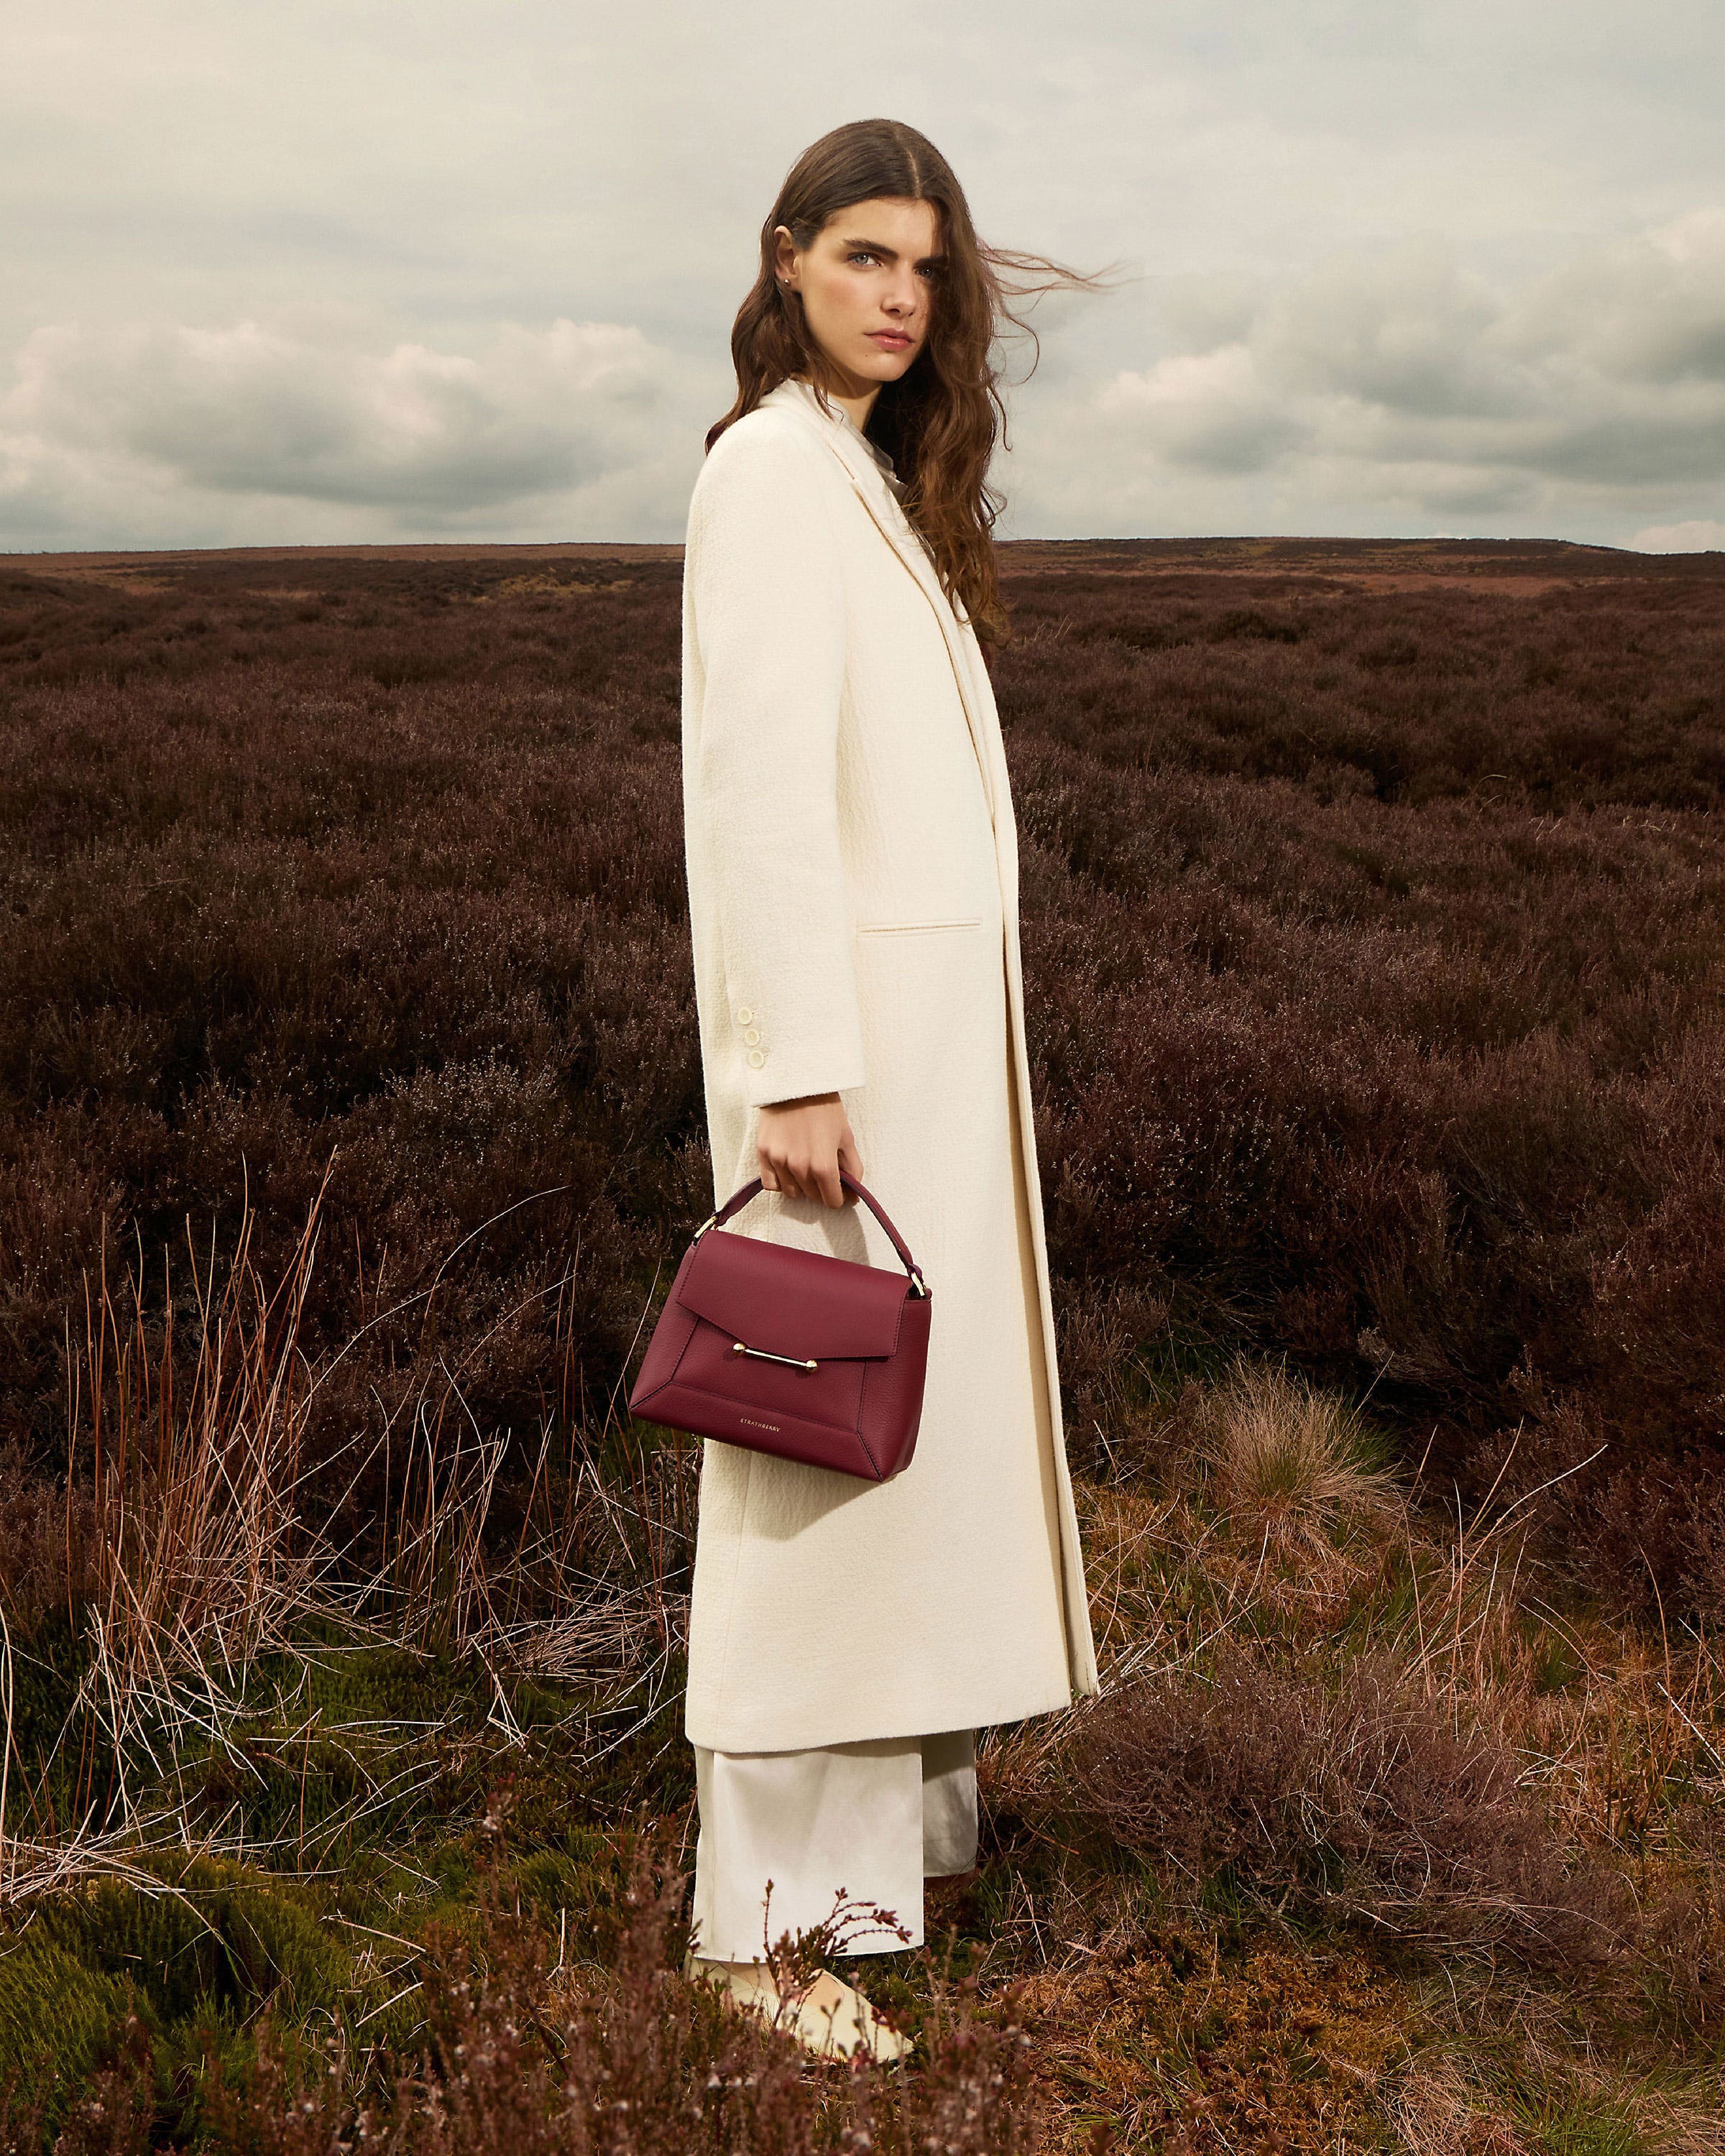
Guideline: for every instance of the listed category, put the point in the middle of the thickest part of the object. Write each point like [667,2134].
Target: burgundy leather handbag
[791,1352]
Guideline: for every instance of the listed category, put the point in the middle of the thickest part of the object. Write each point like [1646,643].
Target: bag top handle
[739,1199]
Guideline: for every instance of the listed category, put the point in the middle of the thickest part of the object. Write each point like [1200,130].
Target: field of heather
[350,1117]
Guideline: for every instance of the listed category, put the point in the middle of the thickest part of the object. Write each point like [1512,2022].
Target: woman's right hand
[803,1145]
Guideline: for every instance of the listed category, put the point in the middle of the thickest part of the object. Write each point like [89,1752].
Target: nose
[901,295]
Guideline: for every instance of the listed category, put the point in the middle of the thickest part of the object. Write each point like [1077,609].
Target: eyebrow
[890,253]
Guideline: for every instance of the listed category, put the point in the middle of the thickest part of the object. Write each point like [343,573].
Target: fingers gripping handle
[739,1199]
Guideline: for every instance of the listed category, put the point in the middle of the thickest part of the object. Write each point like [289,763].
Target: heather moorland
[350,1114]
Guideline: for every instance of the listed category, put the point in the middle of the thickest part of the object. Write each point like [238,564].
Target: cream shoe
[829,2017]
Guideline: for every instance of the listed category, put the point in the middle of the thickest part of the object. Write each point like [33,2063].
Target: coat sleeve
[769,627]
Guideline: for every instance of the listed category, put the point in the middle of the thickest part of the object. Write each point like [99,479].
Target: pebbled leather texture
[865,1330]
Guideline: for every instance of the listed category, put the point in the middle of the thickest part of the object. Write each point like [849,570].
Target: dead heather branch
[542,2058]
[1356,1796]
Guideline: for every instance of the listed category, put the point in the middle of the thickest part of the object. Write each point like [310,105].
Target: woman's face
[867,282]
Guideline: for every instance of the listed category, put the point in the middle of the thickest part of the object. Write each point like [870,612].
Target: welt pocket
[917,927]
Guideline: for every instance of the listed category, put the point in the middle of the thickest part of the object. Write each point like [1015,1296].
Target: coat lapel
[896,528]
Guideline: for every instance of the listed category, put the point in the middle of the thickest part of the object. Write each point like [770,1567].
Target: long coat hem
[774,1733]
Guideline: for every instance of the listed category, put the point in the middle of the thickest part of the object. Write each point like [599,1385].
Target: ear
[784,252]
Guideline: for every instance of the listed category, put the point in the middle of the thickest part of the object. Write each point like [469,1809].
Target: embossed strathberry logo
[753,1425]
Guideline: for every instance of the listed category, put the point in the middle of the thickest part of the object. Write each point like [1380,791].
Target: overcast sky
[301,271]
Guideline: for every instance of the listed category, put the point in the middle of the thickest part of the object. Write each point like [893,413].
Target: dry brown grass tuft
[192,1528]
[1435,2110]
[1290,1468]
[199,1553]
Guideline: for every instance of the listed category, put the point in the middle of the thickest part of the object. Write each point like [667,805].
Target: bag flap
[792,1302]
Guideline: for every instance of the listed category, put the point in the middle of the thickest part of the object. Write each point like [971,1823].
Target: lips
[890,339]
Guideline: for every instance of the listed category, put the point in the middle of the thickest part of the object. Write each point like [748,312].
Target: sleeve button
[756,1058]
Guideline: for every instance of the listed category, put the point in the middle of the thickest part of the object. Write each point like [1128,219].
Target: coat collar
[858,452]
[853,450]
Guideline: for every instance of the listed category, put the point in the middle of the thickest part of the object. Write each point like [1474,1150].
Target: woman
[853,891]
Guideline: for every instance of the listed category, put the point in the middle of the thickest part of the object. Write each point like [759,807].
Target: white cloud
[1699,535]
[1400,384]
[1209,409]
[1649,310]
[225,424]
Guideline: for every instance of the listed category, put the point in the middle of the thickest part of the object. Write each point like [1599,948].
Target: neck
[854,396]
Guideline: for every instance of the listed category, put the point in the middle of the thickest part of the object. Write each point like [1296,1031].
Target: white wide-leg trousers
[867,1820]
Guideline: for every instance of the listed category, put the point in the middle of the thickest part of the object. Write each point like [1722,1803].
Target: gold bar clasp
[766,1355]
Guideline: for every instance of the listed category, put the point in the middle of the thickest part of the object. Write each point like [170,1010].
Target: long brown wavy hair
[940,422]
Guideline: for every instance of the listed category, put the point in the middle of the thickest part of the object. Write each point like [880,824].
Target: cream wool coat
[853,888]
